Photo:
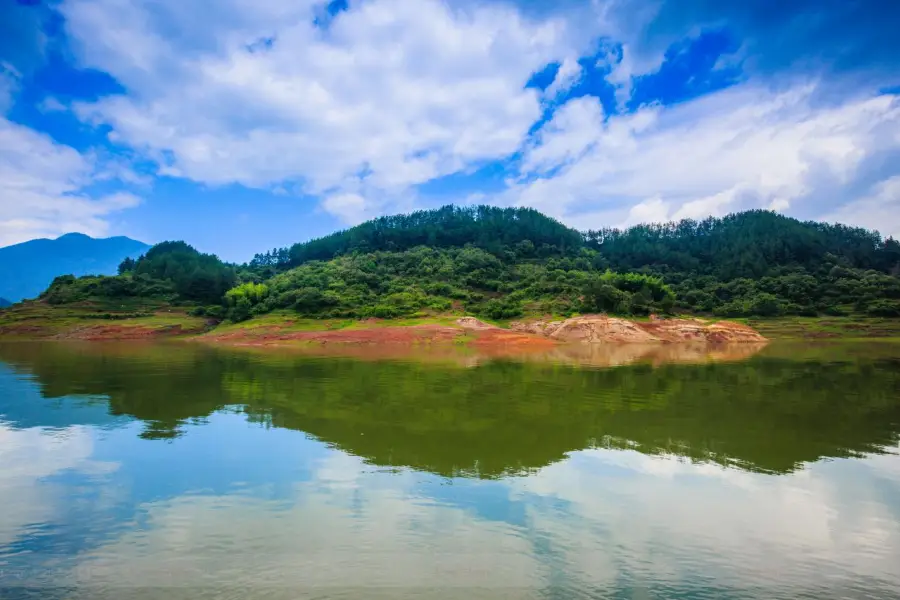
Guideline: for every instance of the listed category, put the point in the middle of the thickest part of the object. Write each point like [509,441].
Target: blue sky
[242,125]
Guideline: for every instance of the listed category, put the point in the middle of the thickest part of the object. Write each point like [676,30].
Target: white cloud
[42,183]
[351,208]
[746,147]
[392,94]
[569,73]
[573,130]
[877,210]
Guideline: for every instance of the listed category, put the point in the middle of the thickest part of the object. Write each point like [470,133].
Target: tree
[126,266]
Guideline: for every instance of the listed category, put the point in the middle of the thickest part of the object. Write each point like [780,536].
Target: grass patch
[35,319]
[825,327]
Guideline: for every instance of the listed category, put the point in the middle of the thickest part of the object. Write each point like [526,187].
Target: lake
[171,471]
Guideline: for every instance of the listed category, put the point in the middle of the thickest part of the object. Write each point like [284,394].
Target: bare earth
[37,320]
[522,336]
[603,329]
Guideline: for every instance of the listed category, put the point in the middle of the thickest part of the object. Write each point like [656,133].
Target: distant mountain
[27,269]
[4,302]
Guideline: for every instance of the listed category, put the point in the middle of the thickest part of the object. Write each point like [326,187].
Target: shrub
[884,308]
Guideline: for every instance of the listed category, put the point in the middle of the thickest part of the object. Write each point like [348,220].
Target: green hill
[504,263]
[27,269]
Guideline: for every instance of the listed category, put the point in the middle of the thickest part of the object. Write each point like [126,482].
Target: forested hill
[749,244]
[503,263]
[488,227]
[26,269]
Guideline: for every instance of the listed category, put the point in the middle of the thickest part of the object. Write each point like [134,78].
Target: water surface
[181,471]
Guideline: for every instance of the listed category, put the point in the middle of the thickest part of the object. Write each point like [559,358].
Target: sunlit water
[177,471]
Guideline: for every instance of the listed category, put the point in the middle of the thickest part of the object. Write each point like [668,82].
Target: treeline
[762,263]
[503,263]
[488,227]
[750,244]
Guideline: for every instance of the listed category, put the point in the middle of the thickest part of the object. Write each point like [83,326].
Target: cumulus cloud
[361,108]
[833,37]
[42,182]
[351,208]
[392,94]
[877,210]
[567,75]
[42,186]
[746,147]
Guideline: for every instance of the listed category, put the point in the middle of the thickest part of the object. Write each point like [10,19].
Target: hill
[4,303]
[506,263]
[27,269]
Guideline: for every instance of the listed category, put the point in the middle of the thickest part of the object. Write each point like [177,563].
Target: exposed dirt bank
[522,336]
[37,320]
[93,333]
[602,329]
[466,330]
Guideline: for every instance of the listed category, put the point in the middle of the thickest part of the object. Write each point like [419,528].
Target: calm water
[174,471]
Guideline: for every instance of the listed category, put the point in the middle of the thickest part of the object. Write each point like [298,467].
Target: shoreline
[40,321]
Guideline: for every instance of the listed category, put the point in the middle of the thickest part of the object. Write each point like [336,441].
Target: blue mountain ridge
[27,269]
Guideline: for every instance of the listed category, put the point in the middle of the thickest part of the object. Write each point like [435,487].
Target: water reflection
[771,413]
[586,355]
[216,474]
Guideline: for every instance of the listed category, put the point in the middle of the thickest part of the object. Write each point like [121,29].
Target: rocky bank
[603,329]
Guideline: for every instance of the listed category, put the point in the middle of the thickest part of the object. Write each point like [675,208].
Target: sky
[244,125]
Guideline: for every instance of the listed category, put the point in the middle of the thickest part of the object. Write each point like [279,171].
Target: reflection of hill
[21,400]
[590,355]
[766,413]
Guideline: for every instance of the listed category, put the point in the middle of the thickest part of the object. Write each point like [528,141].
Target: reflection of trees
[768,413]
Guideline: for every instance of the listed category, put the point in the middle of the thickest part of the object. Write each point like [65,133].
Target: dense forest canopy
[762,263]
[506,262]
[171,271]
[489,227]
[748,244]
[393,284]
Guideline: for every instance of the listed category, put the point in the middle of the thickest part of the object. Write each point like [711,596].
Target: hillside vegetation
[169,272]
[504,263]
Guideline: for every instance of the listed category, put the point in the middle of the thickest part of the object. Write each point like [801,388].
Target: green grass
[288,321]
[40,320]
[786,328]
[285,321]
